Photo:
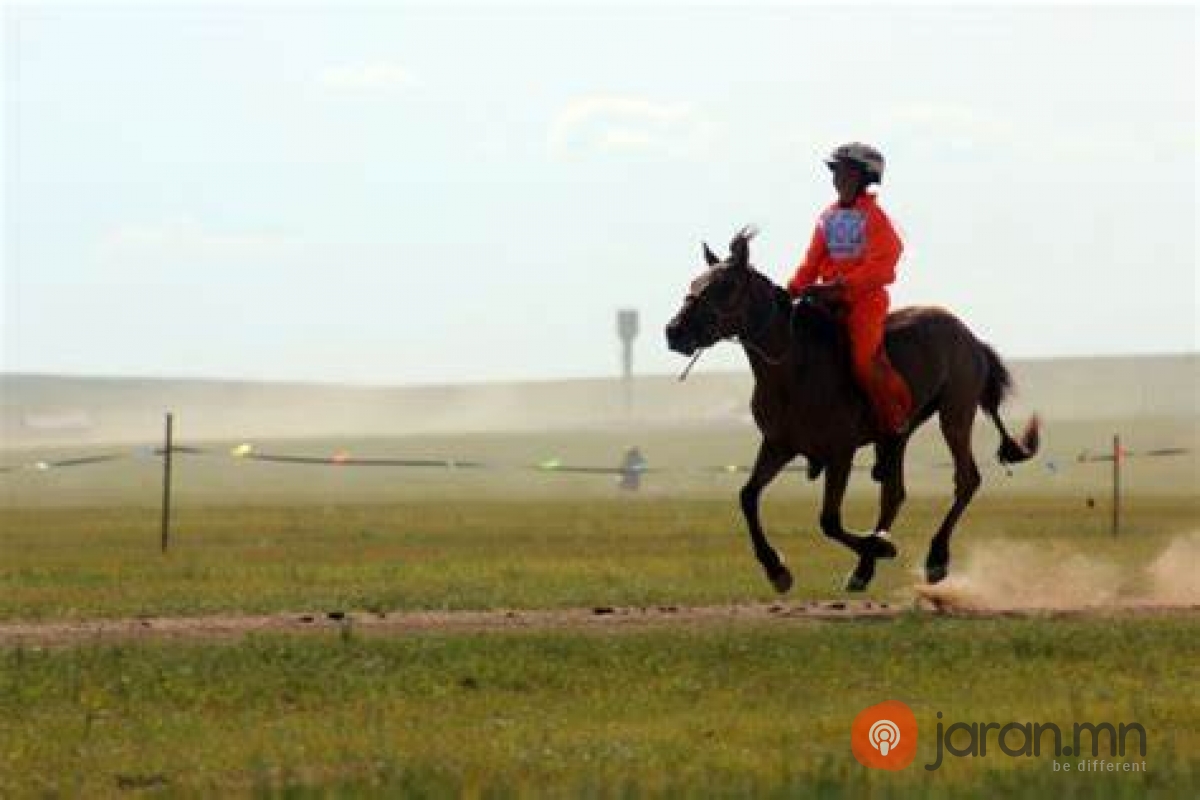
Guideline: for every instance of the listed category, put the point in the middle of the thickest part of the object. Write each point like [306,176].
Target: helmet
[865,156]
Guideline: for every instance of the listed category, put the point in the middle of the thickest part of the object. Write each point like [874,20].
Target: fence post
[166,501]
[1116,504]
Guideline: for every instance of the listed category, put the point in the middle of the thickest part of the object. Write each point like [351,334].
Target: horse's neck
[809,363]
[773,354]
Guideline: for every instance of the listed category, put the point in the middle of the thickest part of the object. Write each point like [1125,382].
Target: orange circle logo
[885,736]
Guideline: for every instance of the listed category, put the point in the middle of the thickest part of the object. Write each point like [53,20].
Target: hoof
[879,545]
[936,573]
[860,579]
[781,579]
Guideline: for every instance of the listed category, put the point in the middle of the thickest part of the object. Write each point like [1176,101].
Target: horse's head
[724,301]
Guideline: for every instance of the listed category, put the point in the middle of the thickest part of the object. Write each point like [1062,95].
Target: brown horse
[806,401]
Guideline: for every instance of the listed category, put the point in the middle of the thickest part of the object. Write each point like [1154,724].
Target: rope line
[245,452]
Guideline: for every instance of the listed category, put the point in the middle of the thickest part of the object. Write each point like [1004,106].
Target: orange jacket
[858,245]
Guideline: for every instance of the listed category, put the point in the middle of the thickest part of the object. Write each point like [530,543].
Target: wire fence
[344,459]
[630,469]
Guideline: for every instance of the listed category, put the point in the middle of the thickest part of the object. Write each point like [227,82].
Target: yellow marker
[241,451]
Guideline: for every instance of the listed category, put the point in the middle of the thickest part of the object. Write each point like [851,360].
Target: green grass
[79,563]
[734,711]
[727,709]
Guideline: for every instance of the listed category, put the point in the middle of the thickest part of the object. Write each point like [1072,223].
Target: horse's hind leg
[869,548]
[956,429]
[771,459]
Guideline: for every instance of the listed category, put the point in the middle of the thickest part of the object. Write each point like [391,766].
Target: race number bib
[845,233]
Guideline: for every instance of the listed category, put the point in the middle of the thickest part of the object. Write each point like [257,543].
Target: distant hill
[44,409]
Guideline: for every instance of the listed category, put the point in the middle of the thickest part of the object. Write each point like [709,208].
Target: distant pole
[166,501]
[627,331]
[1116,505]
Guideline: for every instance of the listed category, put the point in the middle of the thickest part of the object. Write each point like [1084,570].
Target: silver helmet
[865,156]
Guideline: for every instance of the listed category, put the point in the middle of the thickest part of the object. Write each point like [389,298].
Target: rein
[747,341]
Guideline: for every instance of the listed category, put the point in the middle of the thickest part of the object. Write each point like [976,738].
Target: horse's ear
[710,257]
[739,248]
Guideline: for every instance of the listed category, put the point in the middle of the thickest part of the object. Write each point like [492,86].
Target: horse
[806,401]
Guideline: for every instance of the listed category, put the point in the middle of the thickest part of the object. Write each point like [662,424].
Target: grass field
[727,711]
[722,709]
[105,562]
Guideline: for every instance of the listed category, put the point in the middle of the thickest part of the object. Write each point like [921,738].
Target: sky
[415,194]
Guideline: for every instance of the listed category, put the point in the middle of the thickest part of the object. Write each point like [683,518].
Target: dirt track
[606,619]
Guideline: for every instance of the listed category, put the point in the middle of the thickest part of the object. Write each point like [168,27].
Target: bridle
[721,316]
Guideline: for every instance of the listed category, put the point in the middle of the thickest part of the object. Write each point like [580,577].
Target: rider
[851,260]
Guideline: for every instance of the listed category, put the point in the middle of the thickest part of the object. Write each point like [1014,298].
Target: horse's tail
[996,389]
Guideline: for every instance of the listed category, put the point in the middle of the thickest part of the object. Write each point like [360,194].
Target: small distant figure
[1091,502]
[632,466]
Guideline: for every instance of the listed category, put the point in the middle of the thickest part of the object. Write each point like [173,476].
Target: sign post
[627,331]
[166,501]
[1116,502]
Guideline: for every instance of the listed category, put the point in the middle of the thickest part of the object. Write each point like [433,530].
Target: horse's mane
[810,322]
[816,323]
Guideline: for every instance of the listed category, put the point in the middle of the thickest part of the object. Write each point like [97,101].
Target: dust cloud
[56,411]
[1002,575]
[1175,574]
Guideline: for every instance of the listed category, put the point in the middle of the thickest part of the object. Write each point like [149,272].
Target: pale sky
[416,195]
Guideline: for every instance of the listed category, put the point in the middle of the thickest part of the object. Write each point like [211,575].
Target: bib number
[845,233]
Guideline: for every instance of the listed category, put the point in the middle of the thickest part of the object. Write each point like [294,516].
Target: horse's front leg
[869,548]
[772,457]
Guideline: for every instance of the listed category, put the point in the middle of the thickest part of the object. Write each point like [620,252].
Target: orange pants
[890,397]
